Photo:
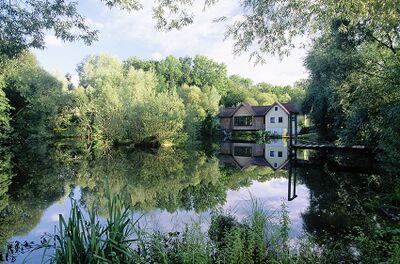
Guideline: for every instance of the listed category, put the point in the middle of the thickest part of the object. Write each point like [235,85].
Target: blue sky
[133,34]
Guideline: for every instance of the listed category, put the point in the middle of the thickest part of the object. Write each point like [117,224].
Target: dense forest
[132,101]
[354,88]
[351,95]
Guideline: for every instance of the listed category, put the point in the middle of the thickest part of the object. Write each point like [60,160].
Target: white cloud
[94,24]
[75,79]
[204,37]
[157,56]
[52,41]
[274,71]
[133,34]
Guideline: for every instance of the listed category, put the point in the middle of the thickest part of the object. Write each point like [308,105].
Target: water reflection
[171,186]
[274,154]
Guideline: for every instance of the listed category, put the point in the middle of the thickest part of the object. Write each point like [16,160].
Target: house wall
[258,150]
[277,128]
[257,124]
[225,122]
[277,145]
[226,148]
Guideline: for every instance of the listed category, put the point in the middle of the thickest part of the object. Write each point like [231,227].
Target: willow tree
[4,113]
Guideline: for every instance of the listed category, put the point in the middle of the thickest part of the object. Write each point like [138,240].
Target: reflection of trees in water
[5,176]
[168,178]
[37,183]
[149,180]
[339,200]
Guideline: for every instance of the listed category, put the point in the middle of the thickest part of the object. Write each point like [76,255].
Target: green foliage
[263,136]
[200,105]
[138,101]
[353,90]
[23,25]
[4,113]
[190,247]
[380,243]
[5,180]
[273,27]
[284,230]
[81,240]
[117,105]
[239,242]
[35,97]
[242,90]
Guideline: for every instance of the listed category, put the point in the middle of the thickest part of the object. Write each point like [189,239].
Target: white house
[273,118]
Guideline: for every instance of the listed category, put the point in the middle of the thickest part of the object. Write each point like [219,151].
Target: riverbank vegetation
[261,237]
[131,102]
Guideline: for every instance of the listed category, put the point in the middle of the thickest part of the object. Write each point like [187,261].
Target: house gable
[243,109]
[277,118]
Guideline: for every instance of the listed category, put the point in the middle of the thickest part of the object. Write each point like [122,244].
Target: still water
[170,187]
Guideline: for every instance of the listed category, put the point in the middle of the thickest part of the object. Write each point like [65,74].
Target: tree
[4,113]
[23,24]
[117,103]
[200,105]
[353,87]
[271,27]
[35,97]
[207,72]
[266,27]
[170,71]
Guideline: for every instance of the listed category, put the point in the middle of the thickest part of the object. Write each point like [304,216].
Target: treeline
[132,101]
[354,90]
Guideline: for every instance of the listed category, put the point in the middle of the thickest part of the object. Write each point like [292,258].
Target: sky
[124,35]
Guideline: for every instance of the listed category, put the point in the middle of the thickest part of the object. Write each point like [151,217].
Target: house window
[280,154]
[272,153]
[280,119]
[275,165]
[243,121]
[272,120]
[276,108]
[242,151]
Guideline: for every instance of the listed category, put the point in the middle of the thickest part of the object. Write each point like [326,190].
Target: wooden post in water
[290,130]
[292,181]
[295,129]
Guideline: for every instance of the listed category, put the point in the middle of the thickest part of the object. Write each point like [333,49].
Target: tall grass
[84,238]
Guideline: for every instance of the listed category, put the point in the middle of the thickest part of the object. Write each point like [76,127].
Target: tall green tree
[353,87]
[35,97]
[117,104]
[4,112]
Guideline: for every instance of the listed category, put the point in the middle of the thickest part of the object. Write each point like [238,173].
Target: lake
[170,187]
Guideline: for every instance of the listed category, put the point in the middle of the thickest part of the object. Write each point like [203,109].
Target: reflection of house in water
[276,153]
[273,154]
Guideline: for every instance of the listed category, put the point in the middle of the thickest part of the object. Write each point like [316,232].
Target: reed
[85,238]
